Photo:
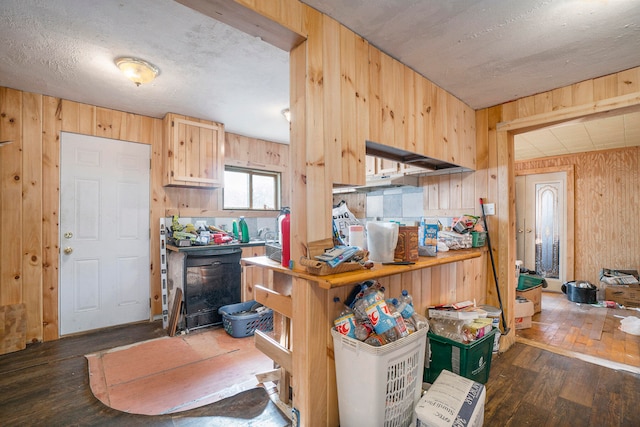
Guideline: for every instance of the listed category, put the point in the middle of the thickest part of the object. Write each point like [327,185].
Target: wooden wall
[240,151]
[611,94]
[29,193]
[343,92]
[607,196]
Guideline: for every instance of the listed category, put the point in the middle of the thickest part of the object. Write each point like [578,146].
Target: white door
[104,233]
[541,224]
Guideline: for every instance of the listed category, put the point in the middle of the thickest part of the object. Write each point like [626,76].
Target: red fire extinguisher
[285,229]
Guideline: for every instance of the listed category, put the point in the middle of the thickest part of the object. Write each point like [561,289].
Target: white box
[379,385]
[452,400]
[523,310]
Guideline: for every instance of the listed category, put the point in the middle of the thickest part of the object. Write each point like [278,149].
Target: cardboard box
[407,247]
[523,310]
[627,295]
[534,295]
[452,400]
[523,322]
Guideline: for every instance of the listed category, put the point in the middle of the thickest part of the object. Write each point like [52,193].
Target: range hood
[380,182]
[429,164]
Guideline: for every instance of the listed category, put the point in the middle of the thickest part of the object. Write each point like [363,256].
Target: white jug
[382,238]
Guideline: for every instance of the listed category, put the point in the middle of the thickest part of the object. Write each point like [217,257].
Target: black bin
[580,291]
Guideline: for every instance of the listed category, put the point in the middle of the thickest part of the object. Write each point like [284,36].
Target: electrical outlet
[490,209]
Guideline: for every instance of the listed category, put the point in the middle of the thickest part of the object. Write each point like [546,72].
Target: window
[251,189]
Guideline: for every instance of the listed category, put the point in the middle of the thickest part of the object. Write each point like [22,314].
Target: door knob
[529,230]
[68,250]
[520,230]
[68,235]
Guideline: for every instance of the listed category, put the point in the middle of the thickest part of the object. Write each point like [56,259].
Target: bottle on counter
[285,228]
[235,229]
[244,231]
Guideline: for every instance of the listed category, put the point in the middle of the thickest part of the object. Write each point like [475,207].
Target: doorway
[541,226]
[104,232]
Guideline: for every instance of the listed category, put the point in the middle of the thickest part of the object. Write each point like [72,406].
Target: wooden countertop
[200,248]
[343,279]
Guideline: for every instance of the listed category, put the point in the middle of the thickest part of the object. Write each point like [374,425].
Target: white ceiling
[485,52]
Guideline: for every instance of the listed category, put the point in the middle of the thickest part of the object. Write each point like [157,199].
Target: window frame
[251,172]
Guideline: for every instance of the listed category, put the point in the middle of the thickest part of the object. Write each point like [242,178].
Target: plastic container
[379,386]
[239,321]
[478,238]
[494,313]
[244,230]
[526,281]
[356,236]
[382,238]
[471,361]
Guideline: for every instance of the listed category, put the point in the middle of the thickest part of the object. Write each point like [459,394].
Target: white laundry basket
[379,385]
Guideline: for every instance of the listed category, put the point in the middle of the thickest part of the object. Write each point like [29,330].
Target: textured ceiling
[485,52]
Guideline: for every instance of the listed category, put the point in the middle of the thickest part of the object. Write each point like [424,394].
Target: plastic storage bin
[526,281]
[471,361]
[478,238]
[239,321]
[379,386]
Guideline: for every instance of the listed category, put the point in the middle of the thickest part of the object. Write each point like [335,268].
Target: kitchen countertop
[214,247]
[343,279]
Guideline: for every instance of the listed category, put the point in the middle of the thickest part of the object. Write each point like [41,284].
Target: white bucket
[382,238]
[495,314]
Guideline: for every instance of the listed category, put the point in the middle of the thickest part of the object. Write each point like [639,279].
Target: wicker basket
[320,268]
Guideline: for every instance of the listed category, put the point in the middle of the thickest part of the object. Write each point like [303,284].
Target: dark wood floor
[529,386]
[47,385]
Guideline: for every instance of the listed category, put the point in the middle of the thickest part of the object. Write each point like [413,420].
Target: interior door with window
[541,224]
[104,233]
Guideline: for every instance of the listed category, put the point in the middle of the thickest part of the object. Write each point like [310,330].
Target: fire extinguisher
[285,236]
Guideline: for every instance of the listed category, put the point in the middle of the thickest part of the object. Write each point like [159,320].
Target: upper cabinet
[193,152]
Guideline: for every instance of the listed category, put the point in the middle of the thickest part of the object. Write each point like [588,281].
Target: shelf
[344,279]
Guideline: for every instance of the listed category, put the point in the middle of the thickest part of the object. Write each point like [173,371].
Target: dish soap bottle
[244,231]
[235,229]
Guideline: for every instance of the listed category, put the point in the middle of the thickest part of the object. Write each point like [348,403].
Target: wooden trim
[274,300]
[526,124]
[275,351]
[584,357]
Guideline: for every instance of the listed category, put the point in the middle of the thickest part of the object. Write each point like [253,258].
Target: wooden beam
[275,351]
[529,123]
[247,21]
[274,300]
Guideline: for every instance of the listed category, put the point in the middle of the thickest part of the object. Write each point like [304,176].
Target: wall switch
[490,209]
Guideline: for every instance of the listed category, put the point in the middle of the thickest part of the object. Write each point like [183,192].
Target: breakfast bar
[449,276]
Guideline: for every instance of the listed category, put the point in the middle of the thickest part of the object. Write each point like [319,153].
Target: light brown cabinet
[378,166]
[193,152]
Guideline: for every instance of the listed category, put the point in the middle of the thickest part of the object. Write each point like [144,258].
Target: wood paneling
[29,199]
[11,177]
[607,192]
[601,174]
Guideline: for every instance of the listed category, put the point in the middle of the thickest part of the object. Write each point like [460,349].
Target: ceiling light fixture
[137,70]
[287,114]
